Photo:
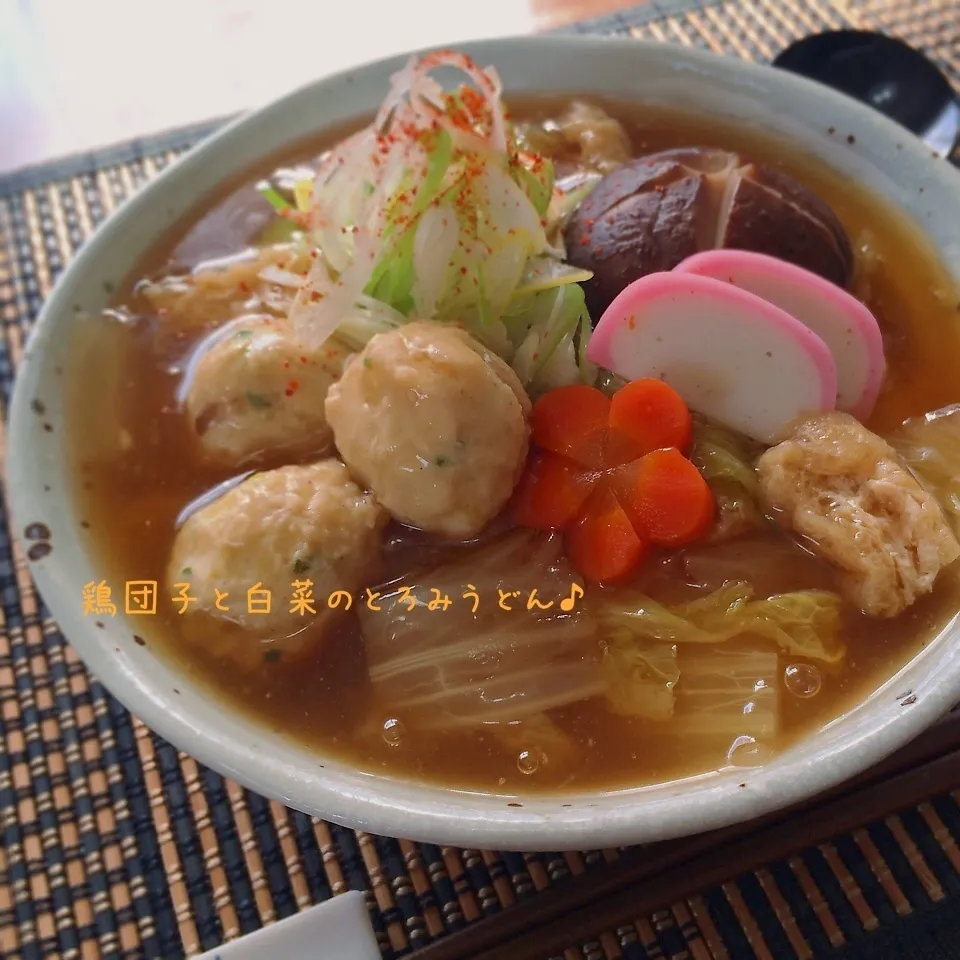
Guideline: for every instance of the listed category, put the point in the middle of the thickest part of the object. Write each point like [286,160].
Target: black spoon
[886,74]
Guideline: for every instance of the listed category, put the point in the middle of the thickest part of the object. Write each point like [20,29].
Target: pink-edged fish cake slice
[844,324]
[732,356]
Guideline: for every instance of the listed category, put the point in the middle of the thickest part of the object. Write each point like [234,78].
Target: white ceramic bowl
[883,157]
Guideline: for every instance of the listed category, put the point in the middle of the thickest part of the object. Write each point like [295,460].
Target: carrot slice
[552,491]
[603,544]
[572,421]
[647,415]
[665,497]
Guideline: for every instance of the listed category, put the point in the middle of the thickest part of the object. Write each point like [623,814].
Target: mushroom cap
[656,211]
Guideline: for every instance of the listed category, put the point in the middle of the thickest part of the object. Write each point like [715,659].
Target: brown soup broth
[132,491]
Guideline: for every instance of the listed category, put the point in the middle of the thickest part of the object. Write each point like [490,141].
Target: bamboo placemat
[115,845]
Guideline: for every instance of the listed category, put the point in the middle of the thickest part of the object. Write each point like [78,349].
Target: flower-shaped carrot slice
[665,497]
[612,475]
[647,415]
[573,422]
[602,543]
[552,491]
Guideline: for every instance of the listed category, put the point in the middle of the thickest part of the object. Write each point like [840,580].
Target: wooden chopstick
[659,874]
[737,856]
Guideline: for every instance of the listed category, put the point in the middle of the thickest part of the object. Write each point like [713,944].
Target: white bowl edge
[244,751]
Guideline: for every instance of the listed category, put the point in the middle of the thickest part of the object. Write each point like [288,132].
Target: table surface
[79,75]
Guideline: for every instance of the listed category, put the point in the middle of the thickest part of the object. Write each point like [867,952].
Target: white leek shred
[368,318]
[435,212]
[567,195]
[281,277]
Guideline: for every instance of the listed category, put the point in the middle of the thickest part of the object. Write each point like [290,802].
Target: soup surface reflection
[705,705]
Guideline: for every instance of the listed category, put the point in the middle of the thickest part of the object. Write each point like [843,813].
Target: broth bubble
[393,732]
[528,762]
[802,680]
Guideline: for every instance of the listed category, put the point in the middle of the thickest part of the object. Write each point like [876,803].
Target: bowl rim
[428,812]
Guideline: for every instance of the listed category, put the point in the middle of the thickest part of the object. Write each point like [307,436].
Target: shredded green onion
[273,197]
[438,212]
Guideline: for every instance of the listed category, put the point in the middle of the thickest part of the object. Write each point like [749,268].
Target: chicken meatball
[434,424]
[252,391]
[845,489]
[299,527]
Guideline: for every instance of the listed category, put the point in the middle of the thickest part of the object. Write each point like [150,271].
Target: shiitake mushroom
[657,210]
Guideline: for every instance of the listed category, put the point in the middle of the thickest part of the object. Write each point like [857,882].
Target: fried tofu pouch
[846,492]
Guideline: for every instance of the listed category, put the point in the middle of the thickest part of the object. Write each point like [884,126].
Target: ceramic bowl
[855,141]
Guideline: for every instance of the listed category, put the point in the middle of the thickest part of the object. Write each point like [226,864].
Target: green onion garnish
[275,199]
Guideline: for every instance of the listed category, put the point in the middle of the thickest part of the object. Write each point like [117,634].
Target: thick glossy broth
[139,471]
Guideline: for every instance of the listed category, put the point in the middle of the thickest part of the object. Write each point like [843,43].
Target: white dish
[337,929]
[864,146]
